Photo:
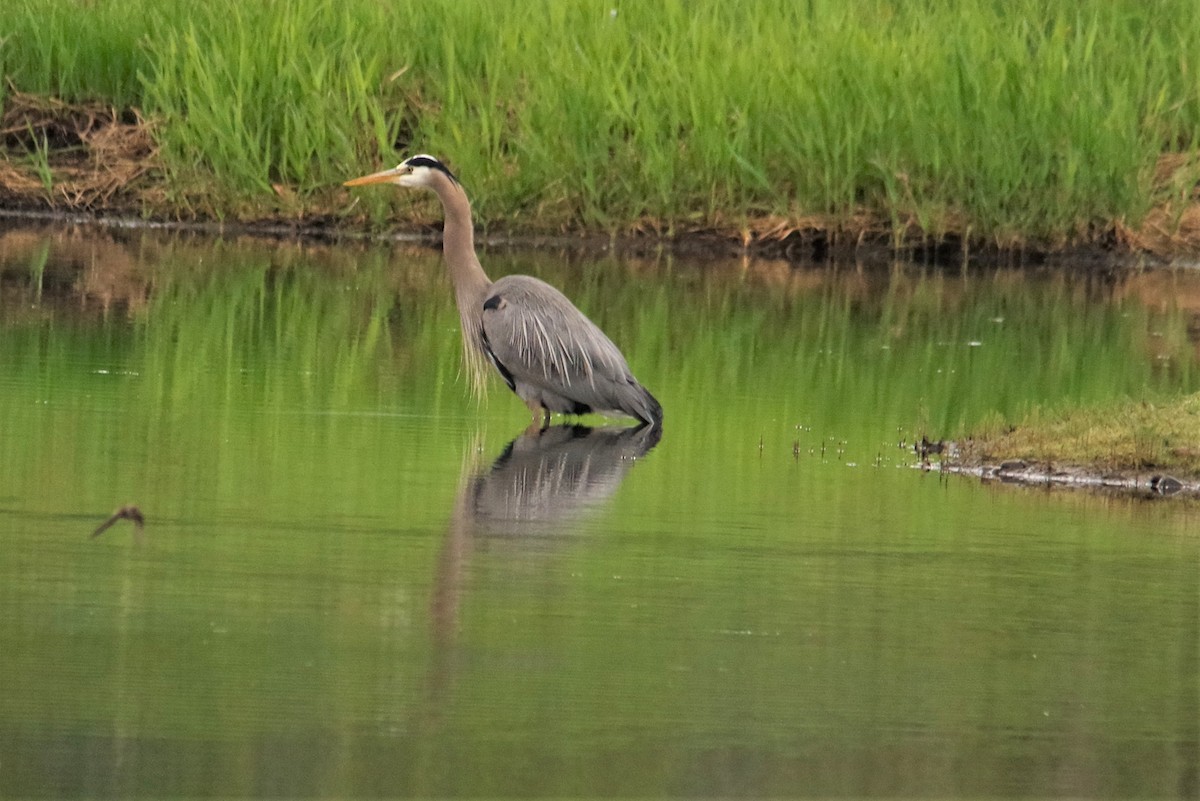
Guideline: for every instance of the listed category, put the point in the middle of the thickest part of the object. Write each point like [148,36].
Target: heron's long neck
[470,281]
[458,246]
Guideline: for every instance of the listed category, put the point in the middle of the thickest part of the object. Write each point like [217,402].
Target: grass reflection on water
[328,602]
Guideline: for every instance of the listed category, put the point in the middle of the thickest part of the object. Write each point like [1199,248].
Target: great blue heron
[545,349]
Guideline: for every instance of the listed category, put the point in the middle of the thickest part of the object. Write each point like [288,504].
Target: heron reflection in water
[548,477]
[535,491]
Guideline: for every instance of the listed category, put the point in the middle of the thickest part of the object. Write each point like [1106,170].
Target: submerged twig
[124,513]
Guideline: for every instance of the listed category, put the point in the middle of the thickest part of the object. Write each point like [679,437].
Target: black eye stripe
[431,163]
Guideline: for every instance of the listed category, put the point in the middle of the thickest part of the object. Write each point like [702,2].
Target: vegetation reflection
[848,352]
[326,560]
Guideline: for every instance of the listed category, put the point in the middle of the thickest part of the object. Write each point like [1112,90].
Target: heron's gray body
[554,357]
[547,351]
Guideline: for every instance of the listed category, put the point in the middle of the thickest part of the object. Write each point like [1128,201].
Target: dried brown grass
[99,157]
[1172,226]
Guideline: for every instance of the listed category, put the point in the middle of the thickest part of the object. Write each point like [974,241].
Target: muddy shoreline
[961,459]
[1081,477]
[807,246]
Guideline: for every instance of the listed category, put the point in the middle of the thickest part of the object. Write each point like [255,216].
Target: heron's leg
[541,416]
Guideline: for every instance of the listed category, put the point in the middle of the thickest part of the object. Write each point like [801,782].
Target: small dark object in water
[124,513]
[925,448]
[1165,485]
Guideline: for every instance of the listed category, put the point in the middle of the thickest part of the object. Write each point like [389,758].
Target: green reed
[79,51]
[1007,120]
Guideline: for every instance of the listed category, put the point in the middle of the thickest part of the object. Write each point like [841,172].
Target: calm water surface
[354,581]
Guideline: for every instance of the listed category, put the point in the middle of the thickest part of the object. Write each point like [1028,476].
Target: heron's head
[415,172]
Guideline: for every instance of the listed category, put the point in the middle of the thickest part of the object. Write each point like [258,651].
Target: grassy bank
[1009,122]
[1123,438]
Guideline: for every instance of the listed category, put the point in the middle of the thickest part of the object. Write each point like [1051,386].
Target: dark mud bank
[1044,474]
[807,246]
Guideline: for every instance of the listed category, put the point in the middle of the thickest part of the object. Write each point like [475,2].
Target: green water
[355,581]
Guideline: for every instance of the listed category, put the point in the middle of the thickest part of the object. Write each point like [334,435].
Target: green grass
[79,51]
[1010,120]
[39,159]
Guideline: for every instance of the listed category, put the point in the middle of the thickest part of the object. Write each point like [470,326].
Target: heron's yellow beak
[384,177]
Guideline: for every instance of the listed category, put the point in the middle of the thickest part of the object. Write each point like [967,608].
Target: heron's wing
[535,335]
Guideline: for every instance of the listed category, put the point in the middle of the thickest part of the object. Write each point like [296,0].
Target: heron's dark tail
[646,407]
